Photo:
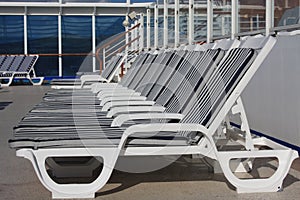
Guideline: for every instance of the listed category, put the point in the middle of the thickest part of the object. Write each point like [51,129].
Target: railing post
[176,42]
[60,67]
[156,26]
[94,40]
[141,32]
[166,31]
[25,32]
[104,60]
[234,18]
[148,28]
[191,22]
[269,15]
[209,20]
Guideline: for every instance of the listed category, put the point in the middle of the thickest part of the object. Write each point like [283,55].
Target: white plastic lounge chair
[21,67]
[173,96]
[201,122]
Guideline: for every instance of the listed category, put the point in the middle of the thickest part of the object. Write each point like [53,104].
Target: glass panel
[287,12]
[95,1]
[107,26]
[43,39]
[76,39]
[252,15]
[30,1]
[200,20]
[222,18]
[11,35]
[183,21]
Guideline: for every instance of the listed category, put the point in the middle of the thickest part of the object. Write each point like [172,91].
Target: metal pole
[176,42]
[25,32]
[156,26]
[60,67]
[127,34]
[135,36]
[166,31]
[234,18]
[94,40]
[141,32]
[148,28]
[191,22]
[269,15]
[209,21]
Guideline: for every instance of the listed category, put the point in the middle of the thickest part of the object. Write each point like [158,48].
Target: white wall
[272,98]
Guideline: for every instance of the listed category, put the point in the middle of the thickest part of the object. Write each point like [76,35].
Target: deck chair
[173,96]
[107,75]
[21,67]
[165,98]
[203,117]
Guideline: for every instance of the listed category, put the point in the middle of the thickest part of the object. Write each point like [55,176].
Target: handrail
[102,47]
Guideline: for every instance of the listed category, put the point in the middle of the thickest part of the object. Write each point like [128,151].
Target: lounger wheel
[84,190]
[271,184]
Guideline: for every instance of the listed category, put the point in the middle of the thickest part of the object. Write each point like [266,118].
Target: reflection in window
[11,35]
[43,39]
[252,15]
[76,38]
[287,12]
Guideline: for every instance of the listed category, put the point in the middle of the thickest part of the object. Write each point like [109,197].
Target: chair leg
[74,170]
[10,79]
[271,184]
[85,190]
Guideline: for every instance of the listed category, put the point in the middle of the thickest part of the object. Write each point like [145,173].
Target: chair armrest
[122,98]
[162,127]
[121,119]
[96,87]
[128,109]
[118,94]
[87,78]
[110,105]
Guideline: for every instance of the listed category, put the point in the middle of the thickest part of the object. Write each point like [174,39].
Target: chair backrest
[16,63]
[220,85]
[27,64]
[224,86]
[156,69]
[112,66]
[201,67]
[142,71]
[163,79]
[134,68]
[2,58]
[6,63]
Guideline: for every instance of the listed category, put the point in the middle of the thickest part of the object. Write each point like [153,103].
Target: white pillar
[209,20]
[191,22]
[25,33]
[269,15]
[166,31]
[94,41]
[234,18]
[141,32]
[176,42]
[135,36]
[127,34]
[156,26]
[148,28]
[60,68]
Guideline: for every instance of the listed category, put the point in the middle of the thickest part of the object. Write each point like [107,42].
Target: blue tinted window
[11,35]
[76,38]
[107,26]
[43,39]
